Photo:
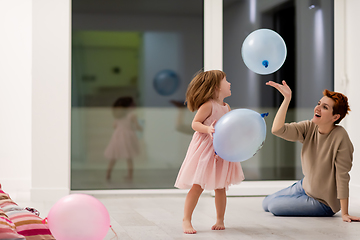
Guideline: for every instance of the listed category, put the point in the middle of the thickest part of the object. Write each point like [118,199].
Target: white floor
[159,217]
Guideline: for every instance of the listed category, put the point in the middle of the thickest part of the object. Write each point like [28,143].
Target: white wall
[35,97]
[51,99]
[15,94]
[347,52]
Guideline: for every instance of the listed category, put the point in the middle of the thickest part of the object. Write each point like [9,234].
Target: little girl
[202,168]
[123,143]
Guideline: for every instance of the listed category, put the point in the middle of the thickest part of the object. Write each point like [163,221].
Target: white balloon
[264,51]
[239,135]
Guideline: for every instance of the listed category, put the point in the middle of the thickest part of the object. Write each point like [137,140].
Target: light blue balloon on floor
[239,134]
[264,51]
[166,82]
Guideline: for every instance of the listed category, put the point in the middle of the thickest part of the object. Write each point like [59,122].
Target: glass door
[132,62]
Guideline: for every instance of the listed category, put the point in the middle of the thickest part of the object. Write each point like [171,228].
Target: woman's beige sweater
[326,160]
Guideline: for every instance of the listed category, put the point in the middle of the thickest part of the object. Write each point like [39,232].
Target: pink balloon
[78,217]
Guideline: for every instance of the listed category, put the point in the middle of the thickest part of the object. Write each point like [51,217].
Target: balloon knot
[116,236]
[265,63]
[264,114]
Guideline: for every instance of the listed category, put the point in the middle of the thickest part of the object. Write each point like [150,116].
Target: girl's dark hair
[124,102]
[120,106]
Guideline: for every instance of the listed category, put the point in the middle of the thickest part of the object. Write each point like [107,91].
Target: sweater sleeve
[293,131]
[343,164]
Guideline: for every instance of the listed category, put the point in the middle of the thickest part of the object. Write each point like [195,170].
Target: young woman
[326,159]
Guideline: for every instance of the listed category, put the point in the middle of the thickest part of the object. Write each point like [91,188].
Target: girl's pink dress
[202,166]
[124,143]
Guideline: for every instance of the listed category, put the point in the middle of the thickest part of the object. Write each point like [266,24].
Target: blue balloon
[239,135]
[166,82]
[263,51]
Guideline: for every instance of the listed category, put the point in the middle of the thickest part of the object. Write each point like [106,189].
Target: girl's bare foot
[108,177]
[188,228]
[219,225]
[128,178]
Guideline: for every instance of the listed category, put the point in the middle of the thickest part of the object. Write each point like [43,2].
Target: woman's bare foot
[187,227]
[219,225]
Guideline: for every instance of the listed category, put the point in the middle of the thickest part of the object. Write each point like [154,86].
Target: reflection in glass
[124,143]
[118,50]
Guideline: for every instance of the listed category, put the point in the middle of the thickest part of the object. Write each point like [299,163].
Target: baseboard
[48,194]
[256,188]
[136,192]
[15,185]
[246,188]
[18,189]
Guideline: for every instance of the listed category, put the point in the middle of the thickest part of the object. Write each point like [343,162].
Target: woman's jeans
[293,201]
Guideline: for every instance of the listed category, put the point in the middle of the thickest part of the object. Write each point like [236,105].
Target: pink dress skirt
[202,166]
[124,143]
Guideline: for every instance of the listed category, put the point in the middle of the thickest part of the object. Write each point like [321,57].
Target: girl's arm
[344,211]
[279,119]
[135,121]
[203,112]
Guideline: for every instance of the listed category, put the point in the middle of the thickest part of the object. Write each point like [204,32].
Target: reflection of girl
[123,143]
[202,169]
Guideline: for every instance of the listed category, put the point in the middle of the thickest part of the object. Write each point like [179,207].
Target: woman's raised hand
[283,88]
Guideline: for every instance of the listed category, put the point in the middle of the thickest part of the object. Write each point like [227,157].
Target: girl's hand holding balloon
[283,88]
[211,129]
